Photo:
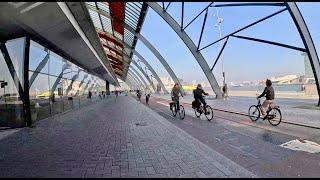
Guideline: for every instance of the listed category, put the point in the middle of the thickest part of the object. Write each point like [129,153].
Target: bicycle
[139,96]
[274,115]
[174,110]
[200,110]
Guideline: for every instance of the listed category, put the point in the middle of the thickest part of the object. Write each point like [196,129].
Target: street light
[219,22]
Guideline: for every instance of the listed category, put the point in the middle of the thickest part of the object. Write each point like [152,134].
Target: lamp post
[219,22]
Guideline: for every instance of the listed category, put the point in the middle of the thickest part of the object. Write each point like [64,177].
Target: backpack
[195,104]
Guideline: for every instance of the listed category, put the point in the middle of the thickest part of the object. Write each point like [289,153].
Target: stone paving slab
[103,140]
[254,147]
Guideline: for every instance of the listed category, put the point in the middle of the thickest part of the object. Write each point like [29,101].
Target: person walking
[225,91]
[147,98]
[89,94]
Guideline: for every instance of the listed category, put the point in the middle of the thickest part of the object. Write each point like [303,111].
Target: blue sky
[243,60]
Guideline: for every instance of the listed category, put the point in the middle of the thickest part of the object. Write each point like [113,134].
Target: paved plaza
[112,138]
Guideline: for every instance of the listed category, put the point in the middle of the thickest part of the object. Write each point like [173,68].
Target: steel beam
[148,45]
[85,77]
[26,82]
[13,72]
[307,41]
[224,45]
[270,42]
[129,83]
[134,80]
[152,70]
[55,84]
[41,65]
[161,59]
[248,4]
[241,29]
[206,8]
[190,44]
[139,77]
[145,75]
[157,54]
[135,77]
[137,73]
[125,55]
[85,88]
[72,81]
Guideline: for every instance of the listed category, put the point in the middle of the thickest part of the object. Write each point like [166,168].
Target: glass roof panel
[106,24]
[138,4]
[131,24]
[95,19]
[118,35]
[104,7]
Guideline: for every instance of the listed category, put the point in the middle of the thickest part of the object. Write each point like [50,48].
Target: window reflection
[11,109]
[55,84]
[15,49]
[59,86]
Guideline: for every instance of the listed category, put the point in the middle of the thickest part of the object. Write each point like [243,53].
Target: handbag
[195,104]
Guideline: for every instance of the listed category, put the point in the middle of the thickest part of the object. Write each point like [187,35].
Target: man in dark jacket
[197,94]
[269,93]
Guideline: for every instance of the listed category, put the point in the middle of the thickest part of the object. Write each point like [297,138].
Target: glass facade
[55,84]
[11,74]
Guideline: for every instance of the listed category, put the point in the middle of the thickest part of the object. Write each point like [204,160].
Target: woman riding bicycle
[175,96]
[197,94]
[269,93]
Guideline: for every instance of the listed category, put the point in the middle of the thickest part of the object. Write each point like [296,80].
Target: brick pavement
[253,145]
[103,140]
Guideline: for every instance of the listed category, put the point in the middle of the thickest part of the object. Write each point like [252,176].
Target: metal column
[26,82]
[135,77]
[141,78]
[307,41]
[161,59]
[145,74]
[152,70]
[190,44]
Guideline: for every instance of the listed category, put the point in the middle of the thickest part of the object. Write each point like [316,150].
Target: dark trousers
[177,105]
[203,102]
[176,101]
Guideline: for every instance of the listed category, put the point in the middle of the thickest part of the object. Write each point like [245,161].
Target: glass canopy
[113,21]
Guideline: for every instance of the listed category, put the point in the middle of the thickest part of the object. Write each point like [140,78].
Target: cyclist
[175,96]
[269,93]
[197,94]
[139,94]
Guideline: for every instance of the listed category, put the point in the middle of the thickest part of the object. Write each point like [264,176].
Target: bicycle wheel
[198,114]
[209,114]
[254,113]
[274,116]
[182,113]
[174,112]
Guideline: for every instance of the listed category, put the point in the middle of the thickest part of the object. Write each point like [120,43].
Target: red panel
[108,38]
[112,49]
[116,60]
[117,9]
